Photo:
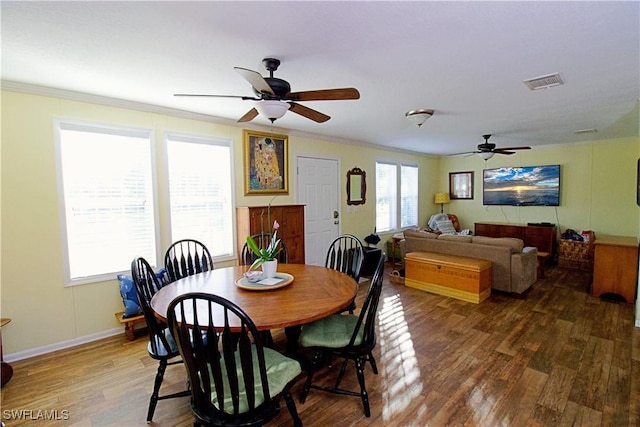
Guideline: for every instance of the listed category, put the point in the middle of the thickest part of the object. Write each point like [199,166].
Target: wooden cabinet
[254,219]
[541,237]
[615,267]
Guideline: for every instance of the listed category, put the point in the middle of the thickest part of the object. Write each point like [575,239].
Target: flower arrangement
[265,254]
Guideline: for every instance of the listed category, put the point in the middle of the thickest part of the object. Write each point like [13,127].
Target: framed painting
[266,166]
[461,185]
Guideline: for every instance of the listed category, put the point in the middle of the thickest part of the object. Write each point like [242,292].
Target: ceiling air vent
[544,82]
[583,131]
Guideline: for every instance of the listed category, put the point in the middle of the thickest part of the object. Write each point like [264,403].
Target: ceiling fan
[487,150]
[274,98]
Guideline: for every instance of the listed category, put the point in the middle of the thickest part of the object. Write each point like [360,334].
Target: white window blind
[201,191]
[386,200]
[408,196]
[106,199]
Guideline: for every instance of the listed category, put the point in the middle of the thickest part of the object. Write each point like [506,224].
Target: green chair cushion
[332,332]
[280,371]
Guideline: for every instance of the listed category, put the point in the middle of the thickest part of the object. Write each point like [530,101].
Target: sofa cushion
[446,227]
[455,238]
[516,245]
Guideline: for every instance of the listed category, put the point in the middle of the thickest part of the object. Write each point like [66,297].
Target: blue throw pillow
[129,295]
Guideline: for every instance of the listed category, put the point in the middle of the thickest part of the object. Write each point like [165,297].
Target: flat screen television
[522,186]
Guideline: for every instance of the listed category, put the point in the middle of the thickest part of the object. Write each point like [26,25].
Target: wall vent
[544,82]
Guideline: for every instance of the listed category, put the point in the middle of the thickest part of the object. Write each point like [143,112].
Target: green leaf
[253,245]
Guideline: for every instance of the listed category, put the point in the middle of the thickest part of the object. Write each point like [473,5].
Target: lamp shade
[486,155]
[418,117]
[441,198]
[272,109]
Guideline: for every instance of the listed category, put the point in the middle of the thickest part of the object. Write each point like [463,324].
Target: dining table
[306,293]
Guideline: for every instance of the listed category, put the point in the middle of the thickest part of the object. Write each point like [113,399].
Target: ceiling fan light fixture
[418,117]
[272,109]
[486,155]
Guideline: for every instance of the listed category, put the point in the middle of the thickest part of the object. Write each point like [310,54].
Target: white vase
[269,269]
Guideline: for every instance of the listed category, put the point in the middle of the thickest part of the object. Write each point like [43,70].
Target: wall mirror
[356,186]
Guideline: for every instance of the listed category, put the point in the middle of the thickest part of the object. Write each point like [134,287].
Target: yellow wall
[598,184]
[598,187]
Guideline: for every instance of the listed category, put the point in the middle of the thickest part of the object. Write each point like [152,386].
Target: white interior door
[317,185]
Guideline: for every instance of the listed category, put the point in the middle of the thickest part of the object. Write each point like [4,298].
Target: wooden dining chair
[346,336]
[235,379]
[185,258]
[247,257]
[161,345]
[346,254]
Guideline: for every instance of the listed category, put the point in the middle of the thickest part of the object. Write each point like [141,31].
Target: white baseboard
[60,345]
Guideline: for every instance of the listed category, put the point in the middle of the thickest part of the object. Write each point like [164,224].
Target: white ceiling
[465,60]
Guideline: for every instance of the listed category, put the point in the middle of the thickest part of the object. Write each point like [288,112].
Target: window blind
[201,191]
[107,200]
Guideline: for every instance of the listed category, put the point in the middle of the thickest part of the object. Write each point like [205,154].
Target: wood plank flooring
[559,357]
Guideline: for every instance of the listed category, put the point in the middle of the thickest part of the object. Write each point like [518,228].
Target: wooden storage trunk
[468,279]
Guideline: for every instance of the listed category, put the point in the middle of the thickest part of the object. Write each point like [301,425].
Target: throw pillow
[129,296]
[446,227]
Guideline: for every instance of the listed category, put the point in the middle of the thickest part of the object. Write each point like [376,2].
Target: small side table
[542,259]
[394,245]
[7,370]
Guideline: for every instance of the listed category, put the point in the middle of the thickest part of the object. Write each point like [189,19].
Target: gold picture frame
[266,163]
[461,185]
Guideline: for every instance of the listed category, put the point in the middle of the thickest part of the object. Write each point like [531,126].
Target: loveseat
[514,266]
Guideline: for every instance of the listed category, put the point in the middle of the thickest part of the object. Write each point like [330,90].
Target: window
[106,199]
[386,200]
[396,196]
[200,191]
[408,196]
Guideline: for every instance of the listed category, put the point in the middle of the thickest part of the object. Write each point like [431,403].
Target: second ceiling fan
[487,149]
[274,98]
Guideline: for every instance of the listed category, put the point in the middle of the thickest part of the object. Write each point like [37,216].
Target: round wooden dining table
[315,292]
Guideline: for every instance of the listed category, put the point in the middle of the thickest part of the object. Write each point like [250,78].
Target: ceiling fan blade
[256,80]
[502,151]
[217,96]
[514,148]
[465,153]
[309,113]
[250,115]
[325,94]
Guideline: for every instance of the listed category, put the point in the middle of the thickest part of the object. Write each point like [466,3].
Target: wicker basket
[396,278]
[576,255]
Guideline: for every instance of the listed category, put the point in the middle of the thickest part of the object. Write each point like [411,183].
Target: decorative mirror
[356,186]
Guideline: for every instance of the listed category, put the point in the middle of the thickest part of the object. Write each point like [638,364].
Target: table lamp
[441,198]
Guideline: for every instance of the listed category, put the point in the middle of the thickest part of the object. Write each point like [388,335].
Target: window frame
[60,124]
[397,203]
[205,140]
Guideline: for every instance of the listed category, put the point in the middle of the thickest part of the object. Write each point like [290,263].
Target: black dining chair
[235,380]
[161,345]
[185,258]
[247,257]
[346,336]
[346,254]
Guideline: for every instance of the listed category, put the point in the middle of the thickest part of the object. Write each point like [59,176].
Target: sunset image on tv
[522,186]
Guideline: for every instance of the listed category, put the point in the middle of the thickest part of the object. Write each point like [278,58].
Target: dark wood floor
[556,358]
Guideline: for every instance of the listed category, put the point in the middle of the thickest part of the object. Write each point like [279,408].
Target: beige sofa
[514,267]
